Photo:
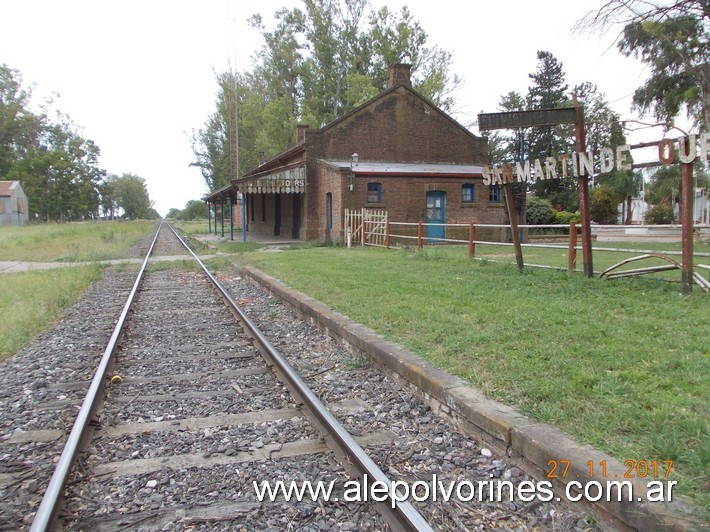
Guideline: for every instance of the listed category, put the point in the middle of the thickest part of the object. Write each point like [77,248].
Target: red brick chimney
[400,74]
[301,133]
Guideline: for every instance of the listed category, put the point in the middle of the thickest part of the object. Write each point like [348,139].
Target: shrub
[659,214]
[603,205]
[564,217]
[539,211]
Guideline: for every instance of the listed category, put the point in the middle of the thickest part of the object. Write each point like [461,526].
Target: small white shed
[13,204]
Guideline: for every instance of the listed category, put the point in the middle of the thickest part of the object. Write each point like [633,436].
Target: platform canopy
[218,194]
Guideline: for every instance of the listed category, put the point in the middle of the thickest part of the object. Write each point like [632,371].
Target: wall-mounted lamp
[353,162]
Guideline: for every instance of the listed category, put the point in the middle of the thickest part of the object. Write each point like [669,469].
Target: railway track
[195,408]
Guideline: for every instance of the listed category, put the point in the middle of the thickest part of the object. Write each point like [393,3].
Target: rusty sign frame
[521,119]
[546,117]
[563,115]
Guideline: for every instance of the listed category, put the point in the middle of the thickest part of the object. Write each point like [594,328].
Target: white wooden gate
[367,227]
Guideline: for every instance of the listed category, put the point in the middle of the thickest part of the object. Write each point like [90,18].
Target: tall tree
[278,66]
[672,39]
[18,125]
[107,197]
[335,49]
[509,146]
[58,168]
[665,183]
[549,90]
[627,184]
[59,171]
[132,196]
[318,63]
[211,144]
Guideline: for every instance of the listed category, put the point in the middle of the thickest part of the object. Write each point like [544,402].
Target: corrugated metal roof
[384,168]
[6,187]
[217,193]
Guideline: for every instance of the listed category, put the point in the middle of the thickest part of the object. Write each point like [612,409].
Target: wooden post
[686,218]
[387,234]
[513,217]
[420,235]
[363,213]
[583,185]
[572,252]
[471,240]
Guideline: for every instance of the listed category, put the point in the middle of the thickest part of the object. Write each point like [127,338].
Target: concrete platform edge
[529,444]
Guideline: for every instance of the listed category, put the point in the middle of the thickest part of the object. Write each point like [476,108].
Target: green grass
[194,230]
[237,247]
[192,227]
[72,242]
[622,365]
[31,302]
[557,258]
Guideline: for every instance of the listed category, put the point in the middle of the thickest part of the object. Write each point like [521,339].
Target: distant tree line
[58,168]
[193,210]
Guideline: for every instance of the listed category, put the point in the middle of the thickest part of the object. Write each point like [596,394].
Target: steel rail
[400,515]
[49,505]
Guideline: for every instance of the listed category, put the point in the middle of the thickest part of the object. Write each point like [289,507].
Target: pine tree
[548,91]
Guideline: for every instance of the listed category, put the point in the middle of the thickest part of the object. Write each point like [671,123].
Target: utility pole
[233,127]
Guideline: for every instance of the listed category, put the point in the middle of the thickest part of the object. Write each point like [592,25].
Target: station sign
[289,181]
[602,161]
[521,119]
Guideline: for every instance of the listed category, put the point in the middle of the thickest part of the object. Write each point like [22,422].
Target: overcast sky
[138,76]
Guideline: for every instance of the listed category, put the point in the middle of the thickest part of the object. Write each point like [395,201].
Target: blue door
[435,214]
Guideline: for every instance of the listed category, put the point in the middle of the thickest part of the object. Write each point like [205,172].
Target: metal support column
[231,216]
[244,217]
[221,204]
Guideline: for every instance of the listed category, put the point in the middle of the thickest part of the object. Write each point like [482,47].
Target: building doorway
[435,214]
[328,216]
[277,214]
[296,233]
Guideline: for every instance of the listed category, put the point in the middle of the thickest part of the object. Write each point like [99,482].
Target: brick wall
[404,198]
[324,179]
[264,213]
[399,127]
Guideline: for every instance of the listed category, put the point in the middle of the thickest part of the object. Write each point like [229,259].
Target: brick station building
[396,152]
